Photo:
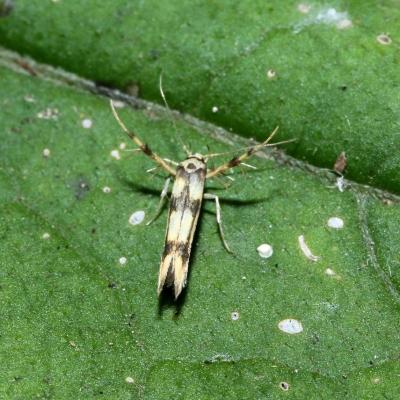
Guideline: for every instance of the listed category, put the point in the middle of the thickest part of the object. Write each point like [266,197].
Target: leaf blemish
[306,250]
[137,217]
[384,39]
[265,250]
[234,316]
[87,123]
[335,223]
[46,153]
[115,154]
[284,386]
[291,326]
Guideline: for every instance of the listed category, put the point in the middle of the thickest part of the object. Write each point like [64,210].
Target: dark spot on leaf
[112,285]
[81,187]
[93,231]
[154,54]
[343,87]
[284,386]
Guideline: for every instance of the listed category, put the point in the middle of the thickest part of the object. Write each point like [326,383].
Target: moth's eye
[191,166]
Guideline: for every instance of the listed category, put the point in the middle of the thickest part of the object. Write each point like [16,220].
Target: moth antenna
[187,151]
[240,159]
[142,146]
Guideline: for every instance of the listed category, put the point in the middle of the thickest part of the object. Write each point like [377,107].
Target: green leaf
[335,88]
[78,324]
[79,311]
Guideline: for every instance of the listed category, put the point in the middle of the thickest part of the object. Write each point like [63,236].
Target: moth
[187,195]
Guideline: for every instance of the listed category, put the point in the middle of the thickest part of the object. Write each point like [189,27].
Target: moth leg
[163,196]
[209,196]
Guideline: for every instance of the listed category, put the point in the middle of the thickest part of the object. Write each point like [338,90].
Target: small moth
[185,205]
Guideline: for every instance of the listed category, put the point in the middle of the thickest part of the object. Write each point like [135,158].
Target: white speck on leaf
[46,236]
[384,39]
[123,260]
[87,123]
[137,217]
[46,153]
[48,113]
[106,189]
[304,8]
[234,316]
[129,380]
[291,326]
[284,386]
[215,109]
[271,74]
[122,146]
[330,272]
[115,154]
[335,222]
[306,250]
[265,250]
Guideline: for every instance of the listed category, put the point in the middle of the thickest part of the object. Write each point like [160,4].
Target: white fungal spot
[234,316]
[48,113]
[137,217]
[122,146]
[330,272]
[384,39]
[271,74]
[335,222]
[115,154]
[129,380]
[291,326]
[284,386]
[87,123]
[265,250]
[46,153]
[118,104]
[46,236]
[304,8]
[214,109]
[106,189]
[306,250]
[123,260]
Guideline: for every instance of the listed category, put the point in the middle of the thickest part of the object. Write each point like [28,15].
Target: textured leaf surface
[77,323]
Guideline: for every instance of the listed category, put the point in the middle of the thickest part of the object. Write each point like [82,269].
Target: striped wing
[187,196]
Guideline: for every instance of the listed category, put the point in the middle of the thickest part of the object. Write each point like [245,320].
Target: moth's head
[193,163]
